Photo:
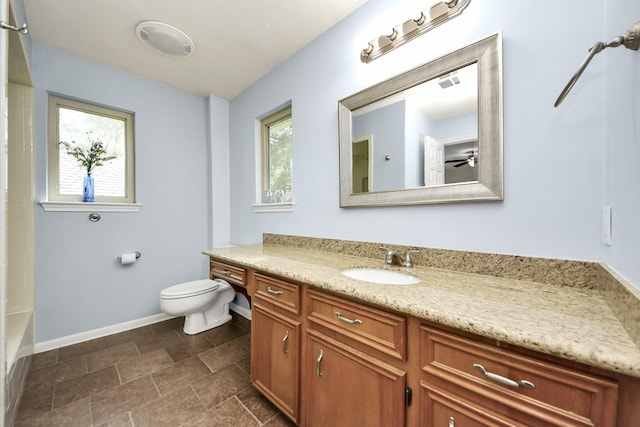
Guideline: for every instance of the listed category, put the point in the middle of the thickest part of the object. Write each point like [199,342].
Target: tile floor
[151,376]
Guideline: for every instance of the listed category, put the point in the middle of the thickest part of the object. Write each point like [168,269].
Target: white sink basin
[379,275]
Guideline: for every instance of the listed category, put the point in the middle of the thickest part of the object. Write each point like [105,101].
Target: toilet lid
[189,289]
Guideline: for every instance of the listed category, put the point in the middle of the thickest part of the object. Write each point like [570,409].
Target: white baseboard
[114,329]
[98,333]
[242,311]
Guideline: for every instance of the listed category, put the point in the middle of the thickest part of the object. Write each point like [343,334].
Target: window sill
[273,207]
[89,207]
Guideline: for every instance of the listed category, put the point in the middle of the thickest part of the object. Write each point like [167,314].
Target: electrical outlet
[606,225]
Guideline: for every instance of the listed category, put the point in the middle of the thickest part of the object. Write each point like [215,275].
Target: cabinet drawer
[228,272]
[278,292]
[442,408]
[376,329]
[549,391]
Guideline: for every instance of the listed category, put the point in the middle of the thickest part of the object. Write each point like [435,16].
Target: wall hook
[631,40]
[21,30]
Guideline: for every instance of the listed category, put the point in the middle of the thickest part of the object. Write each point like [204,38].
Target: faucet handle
[389,255]
[407,260]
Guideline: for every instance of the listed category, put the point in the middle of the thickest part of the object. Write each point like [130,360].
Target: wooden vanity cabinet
[275,342]
[327,361]
[350,378]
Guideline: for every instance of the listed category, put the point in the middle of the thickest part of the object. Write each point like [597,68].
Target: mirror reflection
[430,135]
[423,136]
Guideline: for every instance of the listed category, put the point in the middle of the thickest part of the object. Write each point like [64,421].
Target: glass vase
[88,189]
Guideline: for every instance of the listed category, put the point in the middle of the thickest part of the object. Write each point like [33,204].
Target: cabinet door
[348,388]
[275,358]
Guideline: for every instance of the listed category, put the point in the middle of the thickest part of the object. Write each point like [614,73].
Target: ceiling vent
[448,80]
[165,39]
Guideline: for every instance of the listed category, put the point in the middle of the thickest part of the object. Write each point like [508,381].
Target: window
[276,136]
[81,124]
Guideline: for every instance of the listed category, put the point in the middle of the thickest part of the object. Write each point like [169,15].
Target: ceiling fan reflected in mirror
[471,160]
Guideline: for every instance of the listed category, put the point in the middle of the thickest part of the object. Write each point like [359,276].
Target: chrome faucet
[393,258]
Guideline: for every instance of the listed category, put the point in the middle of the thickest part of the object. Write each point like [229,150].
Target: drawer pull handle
[503,380]
[452,422]
[226,272]
[284,344]
[318,360]
[273,291]
[347,320]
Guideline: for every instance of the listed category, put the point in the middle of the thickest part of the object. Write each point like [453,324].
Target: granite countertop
[571,323]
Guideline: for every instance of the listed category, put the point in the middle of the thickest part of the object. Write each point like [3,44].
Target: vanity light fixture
[437,14]
[165,39]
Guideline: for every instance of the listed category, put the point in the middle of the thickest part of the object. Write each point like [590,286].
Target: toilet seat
[189,289]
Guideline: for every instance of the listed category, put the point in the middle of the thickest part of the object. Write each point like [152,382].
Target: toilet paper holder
[138,255]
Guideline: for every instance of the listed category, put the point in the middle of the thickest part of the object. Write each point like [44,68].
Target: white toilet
[204,303]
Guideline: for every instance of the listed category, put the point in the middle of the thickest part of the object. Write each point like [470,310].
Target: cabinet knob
[452,422]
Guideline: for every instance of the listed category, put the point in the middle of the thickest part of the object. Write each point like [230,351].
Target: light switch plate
[606,225]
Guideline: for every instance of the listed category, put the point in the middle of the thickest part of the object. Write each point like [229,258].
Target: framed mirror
[430,135]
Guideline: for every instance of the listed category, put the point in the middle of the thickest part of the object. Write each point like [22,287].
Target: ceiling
[236,41]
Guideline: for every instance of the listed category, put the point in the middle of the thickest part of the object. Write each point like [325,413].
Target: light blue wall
[554,169]
[79,284]
[417,126]
[622,101]
[219,154]
[459,126]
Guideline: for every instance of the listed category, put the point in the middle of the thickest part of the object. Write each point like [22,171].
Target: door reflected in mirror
[361,164]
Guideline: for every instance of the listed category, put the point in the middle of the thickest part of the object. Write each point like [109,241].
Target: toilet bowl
[204,303]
